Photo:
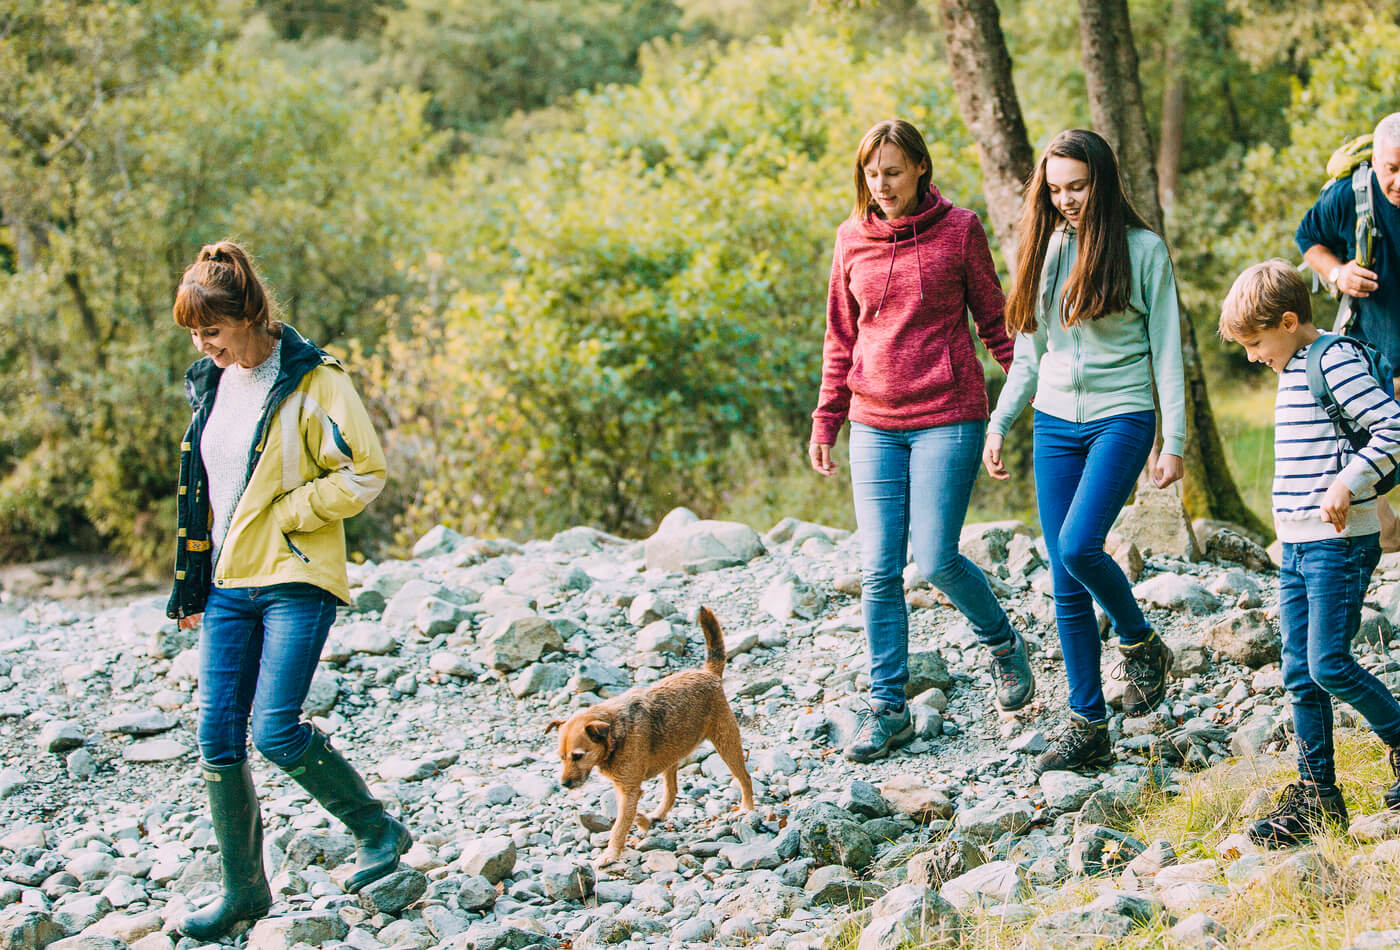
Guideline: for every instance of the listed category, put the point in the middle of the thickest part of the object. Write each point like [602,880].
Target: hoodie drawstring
[919,263]
[918,260]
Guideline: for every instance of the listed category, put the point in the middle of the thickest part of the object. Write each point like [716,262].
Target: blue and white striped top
[1308,454]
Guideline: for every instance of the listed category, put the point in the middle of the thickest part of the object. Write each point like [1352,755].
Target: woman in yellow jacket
[279,452]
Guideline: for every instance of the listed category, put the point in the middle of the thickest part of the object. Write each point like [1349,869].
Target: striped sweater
[1308,455]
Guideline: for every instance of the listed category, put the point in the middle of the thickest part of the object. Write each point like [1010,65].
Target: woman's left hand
[1168,469]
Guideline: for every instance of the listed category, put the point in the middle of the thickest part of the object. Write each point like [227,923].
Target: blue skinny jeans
[1321,586]
[912,487]
[1084,472]
[257,654]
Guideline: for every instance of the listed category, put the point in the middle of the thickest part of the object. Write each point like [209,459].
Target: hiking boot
[879,732]
[233,810]
[1144,673]
[1303,810]
[1011,672]
[1392,794]
[332,781]
[1081,746]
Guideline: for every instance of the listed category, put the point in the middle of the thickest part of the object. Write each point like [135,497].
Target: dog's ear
[598,731]
[553,725]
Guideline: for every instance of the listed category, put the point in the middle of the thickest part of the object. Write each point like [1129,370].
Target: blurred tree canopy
[576,251]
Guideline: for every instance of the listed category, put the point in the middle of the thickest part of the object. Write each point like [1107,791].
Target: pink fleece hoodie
[898,352]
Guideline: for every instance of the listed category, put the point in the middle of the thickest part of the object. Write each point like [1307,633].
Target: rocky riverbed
[441,676]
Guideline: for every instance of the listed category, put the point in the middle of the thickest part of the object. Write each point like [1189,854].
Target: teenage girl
[1094,313]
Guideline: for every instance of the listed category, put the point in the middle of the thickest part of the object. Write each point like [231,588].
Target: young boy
[1325,514]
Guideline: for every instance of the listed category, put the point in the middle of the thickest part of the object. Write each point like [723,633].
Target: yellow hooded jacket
[315,461]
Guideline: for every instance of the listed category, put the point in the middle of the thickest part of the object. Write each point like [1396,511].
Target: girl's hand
[190,622]
[991,457]
[820,455]
[1168,469]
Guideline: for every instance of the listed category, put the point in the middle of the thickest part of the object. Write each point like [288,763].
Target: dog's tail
[714,642]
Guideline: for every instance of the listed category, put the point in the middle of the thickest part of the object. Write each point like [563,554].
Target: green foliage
[320,183]
[654,286]
[611,300]
[482,61]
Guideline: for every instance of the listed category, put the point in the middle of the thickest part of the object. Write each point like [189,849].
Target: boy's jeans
[912,487]
[1084,472]
[258,651]
[1320,587]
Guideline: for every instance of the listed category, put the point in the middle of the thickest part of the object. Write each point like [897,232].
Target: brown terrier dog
[647,731]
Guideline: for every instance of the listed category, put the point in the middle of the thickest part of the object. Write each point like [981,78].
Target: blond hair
[1259,298]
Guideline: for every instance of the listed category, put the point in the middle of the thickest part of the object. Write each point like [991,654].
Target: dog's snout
[571,781]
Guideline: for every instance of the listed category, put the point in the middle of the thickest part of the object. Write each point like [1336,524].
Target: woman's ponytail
[222,285]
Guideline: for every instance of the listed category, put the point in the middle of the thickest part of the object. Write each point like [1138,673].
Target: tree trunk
[1115,98]
[981,72]
[1173,104]
[1115,102]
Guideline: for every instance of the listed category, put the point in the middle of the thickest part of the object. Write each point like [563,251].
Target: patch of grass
[1274,913]
[1244,414]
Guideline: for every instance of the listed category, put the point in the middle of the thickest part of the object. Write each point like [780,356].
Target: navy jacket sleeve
[1330,222]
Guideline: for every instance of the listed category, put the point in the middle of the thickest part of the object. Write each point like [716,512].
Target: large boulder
[519,642]
[830,835]
[987,543]
[703,546]
[1245,636]
[911,915]
[1156,522]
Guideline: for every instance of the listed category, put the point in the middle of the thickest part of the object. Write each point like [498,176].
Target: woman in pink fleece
[900,362]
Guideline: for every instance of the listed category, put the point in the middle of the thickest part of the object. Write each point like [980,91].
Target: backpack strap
[1365,215]
[1317,381]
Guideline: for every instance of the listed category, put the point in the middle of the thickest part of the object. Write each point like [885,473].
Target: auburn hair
[1101,280]
[222,286]
[908,140]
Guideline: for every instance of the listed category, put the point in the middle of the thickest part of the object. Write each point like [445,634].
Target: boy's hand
[1335,505]
[991,457]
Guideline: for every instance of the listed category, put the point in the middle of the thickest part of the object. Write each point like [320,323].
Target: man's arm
[1349,277]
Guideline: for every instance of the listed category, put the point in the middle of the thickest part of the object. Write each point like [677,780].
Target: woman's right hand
[820,455]
[991,457]
[190,622]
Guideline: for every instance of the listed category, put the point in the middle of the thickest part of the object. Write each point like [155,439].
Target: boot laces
[868,723]
[1139,668]
[1291,803]
[1073,737]
[1003,669]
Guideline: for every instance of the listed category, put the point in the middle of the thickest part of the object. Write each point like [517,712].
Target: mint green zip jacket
[1105,367]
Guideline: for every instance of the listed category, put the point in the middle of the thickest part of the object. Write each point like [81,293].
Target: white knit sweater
[228,436]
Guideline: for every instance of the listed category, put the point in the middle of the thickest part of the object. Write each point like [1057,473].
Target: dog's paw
[643,821]
[608,857]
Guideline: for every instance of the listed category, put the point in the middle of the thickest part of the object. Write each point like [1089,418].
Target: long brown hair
[908,140]
[1102,278]
[222,286]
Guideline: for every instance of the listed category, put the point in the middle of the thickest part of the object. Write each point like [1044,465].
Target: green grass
[1244,414]
[1273,915]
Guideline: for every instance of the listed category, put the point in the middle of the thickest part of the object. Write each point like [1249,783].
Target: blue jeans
[257,654]
[1320,589]
[914,486]
[1084,472]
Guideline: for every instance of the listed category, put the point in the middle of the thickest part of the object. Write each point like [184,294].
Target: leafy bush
[653,286]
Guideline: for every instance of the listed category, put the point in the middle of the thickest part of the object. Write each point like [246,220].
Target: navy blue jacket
[1331,222]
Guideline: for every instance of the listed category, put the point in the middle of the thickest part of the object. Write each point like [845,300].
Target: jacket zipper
[294,549]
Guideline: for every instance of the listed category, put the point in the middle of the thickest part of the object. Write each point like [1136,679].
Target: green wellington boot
[233,806]
[333,782]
